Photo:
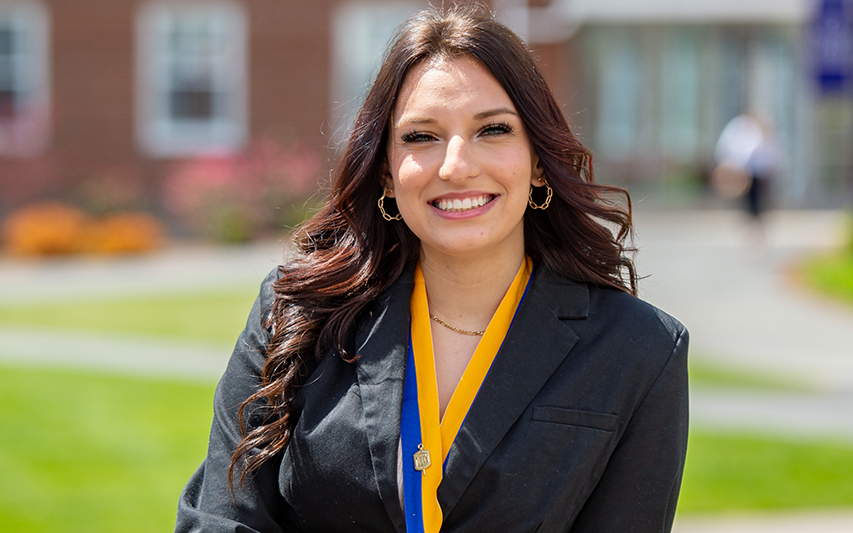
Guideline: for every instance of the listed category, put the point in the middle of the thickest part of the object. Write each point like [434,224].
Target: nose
[459,162]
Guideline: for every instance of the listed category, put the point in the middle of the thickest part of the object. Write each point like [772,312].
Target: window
[619,95]
[361,31]
[24,87]
[192,78]
[680,86]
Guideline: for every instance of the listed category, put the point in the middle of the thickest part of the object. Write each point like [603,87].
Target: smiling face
[459,160]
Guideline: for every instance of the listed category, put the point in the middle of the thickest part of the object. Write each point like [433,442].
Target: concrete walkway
[736,298]
[829,521]
[743,311]
[187,267]
[137,356]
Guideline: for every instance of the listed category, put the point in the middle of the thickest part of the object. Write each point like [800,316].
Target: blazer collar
[537,343]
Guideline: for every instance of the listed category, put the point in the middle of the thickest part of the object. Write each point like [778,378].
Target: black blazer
[580,426]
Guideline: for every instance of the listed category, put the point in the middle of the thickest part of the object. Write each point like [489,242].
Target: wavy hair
[347,255]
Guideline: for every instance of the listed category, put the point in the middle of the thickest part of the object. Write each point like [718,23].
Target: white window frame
[360,32]
[27,134]
[159,134]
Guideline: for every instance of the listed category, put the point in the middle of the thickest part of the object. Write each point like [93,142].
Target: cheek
[411,174]
[516,160]
[522,174]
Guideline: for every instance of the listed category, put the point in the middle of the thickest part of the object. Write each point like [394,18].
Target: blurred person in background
[747,158]
[457,344]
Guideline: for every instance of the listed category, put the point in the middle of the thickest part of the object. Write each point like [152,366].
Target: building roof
[632,11]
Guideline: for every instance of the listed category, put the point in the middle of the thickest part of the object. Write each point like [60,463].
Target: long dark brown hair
[348,254]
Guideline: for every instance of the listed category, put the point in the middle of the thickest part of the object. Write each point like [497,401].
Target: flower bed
[56,228]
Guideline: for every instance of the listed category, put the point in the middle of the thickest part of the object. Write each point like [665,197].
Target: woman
[457,346]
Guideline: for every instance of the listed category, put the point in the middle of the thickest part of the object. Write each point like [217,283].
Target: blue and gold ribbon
[422,428]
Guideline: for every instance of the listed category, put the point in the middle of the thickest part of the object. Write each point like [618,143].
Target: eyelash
[497,128]
[415,136]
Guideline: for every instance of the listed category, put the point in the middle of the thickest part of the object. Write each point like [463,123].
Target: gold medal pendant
[422,460]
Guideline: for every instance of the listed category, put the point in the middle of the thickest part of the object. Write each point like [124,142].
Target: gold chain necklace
[457,330]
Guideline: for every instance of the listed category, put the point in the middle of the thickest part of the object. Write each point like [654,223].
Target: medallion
[422,460]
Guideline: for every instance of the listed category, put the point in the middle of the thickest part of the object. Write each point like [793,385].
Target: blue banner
[832,35]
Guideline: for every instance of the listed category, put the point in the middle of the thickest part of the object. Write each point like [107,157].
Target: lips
[458,205]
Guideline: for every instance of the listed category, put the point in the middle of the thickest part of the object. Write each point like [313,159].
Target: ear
[536,172]
[387,180]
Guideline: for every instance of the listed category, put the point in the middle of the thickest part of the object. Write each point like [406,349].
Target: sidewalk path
[136,356]
[826,521]
[739,302]
[186,267]
[743,311]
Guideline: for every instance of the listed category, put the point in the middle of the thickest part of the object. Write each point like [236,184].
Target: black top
[580,426]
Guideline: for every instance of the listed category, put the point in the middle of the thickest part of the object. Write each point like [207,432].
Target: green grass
[718,376]
[216,317]
[743,473]
[91,452]
[95,453]
[831,275]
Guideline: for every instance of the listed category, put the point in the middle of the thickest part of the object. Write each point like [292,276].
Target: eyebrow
[479,116]
[493,112]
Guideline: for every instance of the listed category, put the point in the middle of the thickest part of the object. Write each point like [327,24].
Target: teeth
[456,205]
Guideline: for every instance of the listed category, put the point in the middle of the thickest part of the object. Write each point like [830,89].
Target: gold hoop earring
[381,204]
[547,202]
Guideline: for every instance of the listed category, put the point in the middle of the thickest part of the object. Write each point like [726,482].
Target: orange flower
[53,228]
[48,228]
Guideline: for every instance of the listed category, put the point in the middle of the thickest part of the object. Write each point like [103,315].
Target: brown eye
[416,136]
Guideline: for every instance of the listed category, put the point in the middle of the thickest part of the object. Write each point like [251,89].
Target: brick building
[117,90]
[122,87]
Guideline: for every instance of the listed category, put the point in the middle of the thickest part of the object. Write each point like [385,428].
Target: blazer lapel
[380,368]
[536,344]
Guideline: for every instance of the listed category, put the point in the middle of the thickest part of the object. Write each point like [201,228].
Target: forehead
[449,84]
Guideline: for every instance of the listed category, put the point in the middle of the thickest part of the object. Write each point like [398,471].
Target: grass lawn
[713,375]
[215,317]
[97,453]
[91,452]
[726,472]
[81,452]
[832,275]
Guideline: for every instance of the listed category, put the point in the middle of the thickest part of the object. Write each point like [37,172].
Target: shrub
[54,228]
[125,232]
[240,197]
[44,229]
